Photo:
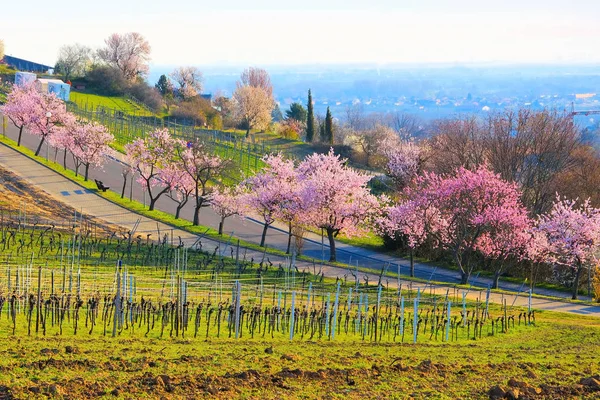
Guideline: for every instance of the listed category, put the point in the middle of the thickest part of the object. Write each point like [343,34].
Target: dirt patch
[21,201]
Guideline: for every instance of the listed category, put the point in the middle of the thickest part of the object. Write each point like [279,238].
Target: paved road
[251,230]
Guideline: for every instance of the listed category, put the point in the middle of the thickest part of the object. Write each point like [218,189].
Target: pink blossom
[335,197]
[202,166]
[227,202]
[271,192]
[89,142]
[148,156]
[572,235]
[20,105]
[48,115]
[473,211]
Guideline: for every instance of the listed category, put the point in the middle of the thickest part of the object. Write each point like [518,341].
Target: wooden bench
[101,185]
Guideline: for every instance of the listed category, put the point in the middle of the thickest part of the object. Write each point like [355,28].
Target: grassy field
[92,101]
[548,361]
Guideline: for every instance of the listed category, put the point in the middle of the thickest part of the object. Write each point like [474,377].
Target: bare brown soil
[18,198]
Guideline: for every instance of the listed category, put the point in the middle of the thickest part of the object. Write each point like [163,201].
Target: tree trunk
[412,263]
[332,255]
[248,132]
[152,203]
[576,282]
[289,239]
[178,210]
[37,152]
[76,169]
[197,213]
[221,223]
[496,279]
[87,170]
[20,133]
[264,235]
[155,199]
[124,186]
[464,277]
[65,159]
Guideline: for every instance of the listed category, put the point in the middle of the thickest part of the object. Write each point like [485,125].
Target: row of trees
[474,215]
[320,192]
[46,116]
[477,216]
[127,53]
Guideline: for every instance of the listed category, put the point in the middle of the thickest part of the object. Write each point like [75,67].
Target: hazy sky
[241,32]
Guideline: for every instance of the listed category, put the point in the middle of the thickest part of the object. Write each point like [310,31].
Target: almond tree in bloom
[508,234]
[20,106]
[270,190]
[573,235]
[462,214]
[148,157]
[90,145]
[336,197]
[201,166]
[403,162]
[181,185]
[62,139]
[49,115]
[226,203]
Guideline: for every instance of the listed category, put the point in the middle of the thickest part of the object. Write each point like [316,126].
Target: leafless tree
[73,60]
[258,78]
[406,125]
[532,148]
[189,80]
[582,180]
[129,52]
[253,107]
[456,143]
[358,120]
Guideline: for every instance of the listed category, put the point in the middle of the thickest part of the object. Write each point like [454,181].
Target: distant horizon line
[394,64]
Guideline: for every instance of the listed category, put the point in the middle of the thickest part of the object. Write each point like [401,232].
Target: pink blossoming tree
[225,203]
[148,157]
[48,116]
[20,105]
[202,166]
[573,235]
[270,190]
[336,197]
[403,162]
[90,145]
[180,183]
[462,214]
[62,139]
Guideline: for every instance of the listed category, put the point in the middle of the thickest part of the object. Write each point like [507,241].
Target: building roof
[42,80]
[25,65]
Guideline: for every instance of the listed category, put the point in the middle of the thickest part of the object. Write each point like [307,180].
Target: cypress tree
[310,120]
[329,127]
[322,134]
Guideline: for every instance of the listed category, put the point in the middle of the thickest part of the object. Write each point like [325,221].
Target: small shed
[24,78]
[61,89]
